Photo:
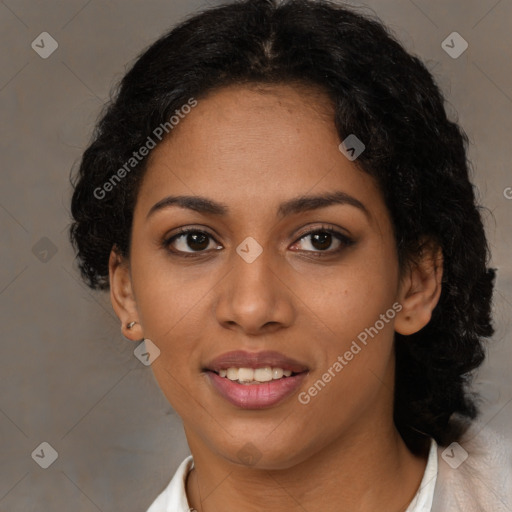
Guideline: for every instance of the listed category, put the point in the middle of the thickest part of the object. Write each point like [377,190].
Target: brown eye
[322,241]
[189,241]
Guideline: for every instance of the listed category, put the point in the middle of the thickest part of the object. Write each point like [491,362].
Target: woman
[282,211]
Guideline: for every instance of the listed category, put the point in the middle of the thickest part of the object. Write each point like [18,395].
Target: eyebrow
[293,206]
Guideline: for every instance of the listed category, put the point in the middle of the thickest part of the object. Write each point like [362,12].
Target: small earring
[130,325]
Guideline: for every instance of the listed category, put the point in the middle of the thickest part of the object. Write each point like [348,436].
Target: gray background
[67,376]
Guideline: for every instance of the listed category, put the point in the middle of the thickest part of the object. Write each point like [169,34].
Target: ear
[420,289]
[121,295]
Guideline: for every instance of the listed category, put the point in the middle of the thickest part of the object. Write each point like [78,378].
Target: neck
[362,472]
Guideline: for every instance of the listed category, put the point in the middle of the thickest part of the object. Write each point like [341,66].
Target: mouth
[253,394]
[255,380]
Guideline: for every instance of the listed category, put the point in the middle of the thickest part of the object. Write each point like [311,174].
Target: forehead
[267,142]
[263,120]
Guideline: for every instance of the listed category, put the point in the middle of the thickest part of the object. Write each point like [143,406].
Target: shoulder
[475,474]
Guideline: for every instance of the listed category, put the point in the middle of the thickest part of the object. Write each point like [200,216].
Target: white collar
[422,501]
[174,497]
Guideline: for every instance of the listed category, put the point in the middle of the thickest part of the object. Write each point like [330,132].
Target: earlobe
[122,297]
[420,289]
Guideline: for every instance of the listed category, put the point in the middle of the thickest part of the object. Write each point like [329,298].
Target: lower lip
[256,396]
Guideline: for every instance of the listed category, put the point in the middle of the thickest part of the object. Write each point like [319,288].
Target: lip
[256,396]
[243,359]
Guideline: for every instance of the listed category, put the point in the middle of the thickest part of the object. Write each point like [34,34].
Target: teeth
[247,375]
[232,373]
[263,374]
[277,373]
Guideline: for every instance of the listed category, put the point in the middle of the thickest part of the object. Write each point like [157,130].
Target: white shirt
[174,497]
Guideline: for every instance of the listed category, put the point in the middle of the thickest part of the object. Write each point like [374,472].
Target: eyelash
[345,241]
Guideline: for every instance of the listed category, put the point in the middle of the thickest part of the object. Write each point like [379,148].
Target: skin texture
[252,148]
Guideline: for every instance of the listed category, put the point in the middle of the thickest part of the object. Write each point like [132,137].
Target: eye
[190,241]
[322,240]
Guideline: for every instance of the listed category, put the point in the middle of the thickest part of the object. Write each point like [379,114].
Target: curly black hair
[381,93]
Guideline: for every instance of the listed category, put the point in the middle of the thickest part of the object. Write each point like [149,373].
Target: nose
[253,298]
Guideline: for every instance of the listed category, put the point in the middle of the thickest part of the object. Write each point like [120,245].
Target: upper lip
[243,359]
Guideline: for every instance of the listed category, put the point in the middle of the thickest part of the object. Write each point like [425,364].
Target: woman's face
[260,273]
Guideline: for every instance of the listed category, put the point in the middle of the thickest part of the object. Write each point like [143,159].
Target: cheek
[171,303]
[350,315]
[168,295]
[350,296]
